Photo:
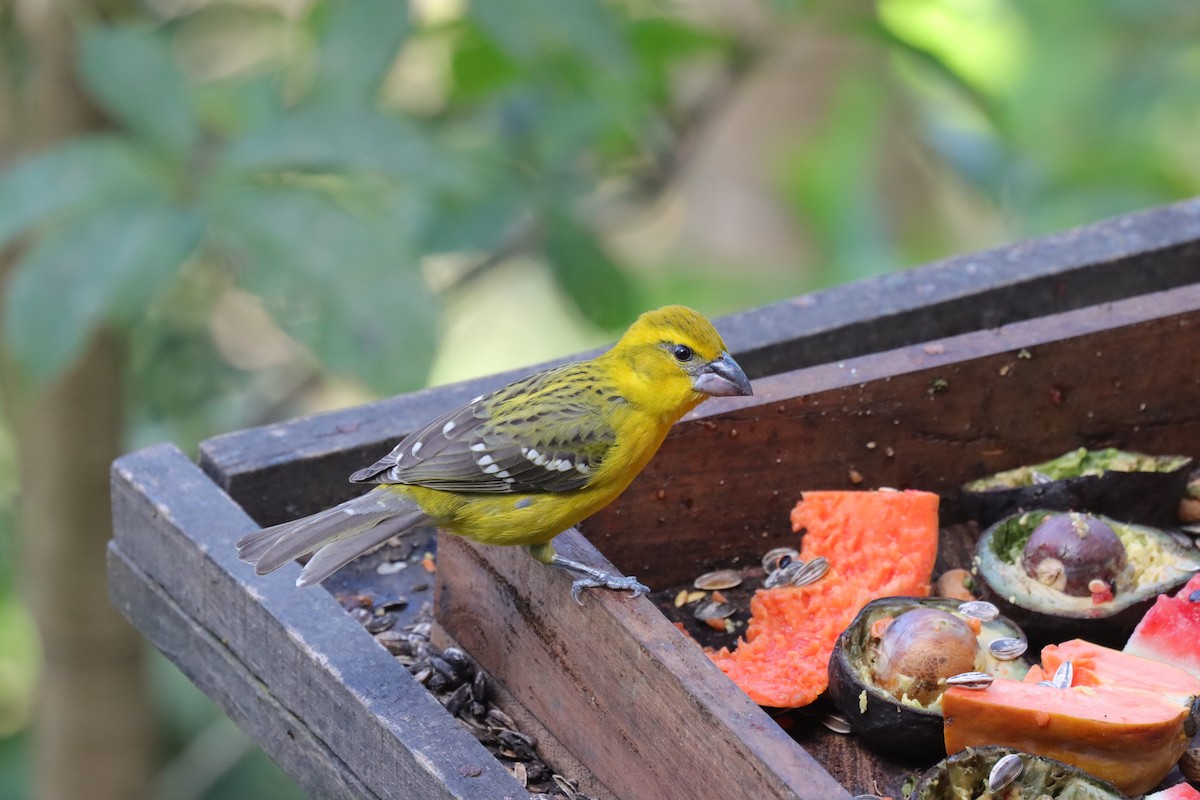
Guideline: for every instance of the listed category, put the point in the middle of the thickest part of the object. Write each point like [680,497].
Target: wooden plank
[325,673]
[285,470]
[719,491]
[245,699]
[616,683]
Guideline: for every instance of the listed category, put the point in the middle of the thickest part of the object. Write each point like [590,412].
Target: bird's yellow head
[672,358]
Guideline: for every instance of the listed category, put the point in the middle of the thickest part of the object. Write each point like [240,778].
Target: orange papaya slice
[1124,719]
[878,543]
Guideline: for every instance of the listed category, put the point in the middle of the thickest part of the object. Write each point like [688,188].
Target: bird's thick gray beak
[722,377]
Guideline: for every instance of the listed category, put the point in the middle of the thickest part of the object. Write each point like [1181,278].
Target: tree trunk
[92,724]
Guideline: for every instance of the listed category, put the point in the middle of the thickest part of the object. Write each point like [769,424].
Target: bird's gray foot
[592,578]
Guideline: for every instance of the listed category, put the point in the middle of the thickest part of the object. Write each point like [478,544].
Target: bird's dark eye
[682,353]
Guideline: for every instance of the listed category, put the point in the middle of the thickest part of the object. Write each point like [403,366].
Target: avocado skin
[910,733]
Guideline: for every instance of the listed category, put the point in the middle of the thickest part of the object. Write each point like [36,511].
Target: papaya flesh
[1124,719]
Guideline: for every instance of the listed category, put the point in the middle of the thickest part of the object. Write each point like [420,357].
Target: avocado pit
[1067,552]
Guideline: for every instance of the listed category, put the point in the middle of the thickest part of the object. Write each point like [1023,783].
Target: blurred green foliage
[358,170]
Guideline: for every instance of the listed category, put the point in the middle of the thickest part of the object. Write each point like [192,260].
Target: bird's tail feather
[337,535]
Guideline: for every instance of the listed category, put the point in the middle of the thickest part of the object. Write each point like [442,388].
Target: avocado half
[903,726]
[964,776]
[1154,563]
[1132,487]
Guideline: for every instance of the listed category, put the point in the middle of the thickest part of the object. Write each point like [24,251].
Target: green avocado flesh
[964,776]
[1076,464]
[1154,564]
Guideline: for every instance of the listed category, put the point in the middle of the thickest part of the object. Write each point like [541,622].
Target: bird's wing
[544,433]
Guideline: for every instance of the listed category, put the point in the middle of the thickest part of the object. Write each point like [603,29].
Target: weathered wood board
[338,713]
[903,380]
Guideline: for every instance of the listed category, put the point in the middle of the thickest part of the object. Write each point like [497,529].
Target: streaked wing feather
[537,434]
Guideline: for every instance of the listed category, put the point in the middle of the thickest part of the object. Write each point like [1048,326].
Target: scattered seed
[770,562]
[798,573]
[681,598]
[1005,771]
[1194,597]
[378,623]
[500,719]
[696,596]
[713,610]
[720,579]
[1063,676]
[971,680]
[458,700]
[1008,648]
[1097,586]
[836,723]
[981,610]
[391,567]
[566,786]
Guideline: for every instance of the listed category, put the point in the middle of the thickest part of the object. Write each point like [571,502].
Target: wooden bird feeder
[920,379]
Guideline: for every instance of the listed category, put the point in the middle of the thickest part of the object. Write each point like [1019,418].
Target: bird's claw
[618,582]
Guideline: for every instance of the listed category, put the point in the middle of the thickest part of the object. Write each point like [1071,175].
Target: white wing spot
[502,473]
[416,447]
[531,454]
[491,469]
[511,480]
[449,426]
[564,465]
[478,447]
[485,460]
[583,468]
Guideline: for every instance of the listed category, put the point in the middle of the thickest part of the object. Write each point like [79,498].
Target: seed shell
[1063,675]
[981,610]
[770,561]
[1008,648]
[720,579]
[971,680]
[1005,771]
[836,723]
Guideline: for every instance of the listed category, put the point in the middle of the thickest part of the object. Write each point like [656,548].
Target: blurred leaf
[590,278]
[478,66]
[357,41]
[235,106]
[532,30]
[834,181]
[81,172]
[111,263]
[131,73]
[478,222]
[345,286]
[328,140]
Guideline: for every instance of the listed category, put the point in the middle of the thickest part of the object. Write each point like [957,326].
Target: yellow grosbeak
[522,464]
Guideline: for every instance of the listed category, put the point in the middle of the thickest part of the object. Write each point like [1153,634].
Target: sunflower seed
[836,723]
[798,573]
[981,610]
[1005,771]
[721,579]
[1008,648]
[770,562]
[713,610]
[971,680]
[1063,676]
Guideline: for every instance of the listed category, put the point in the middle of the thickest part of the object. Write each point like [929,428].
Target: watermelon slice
[1180,791]
[1170,629]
